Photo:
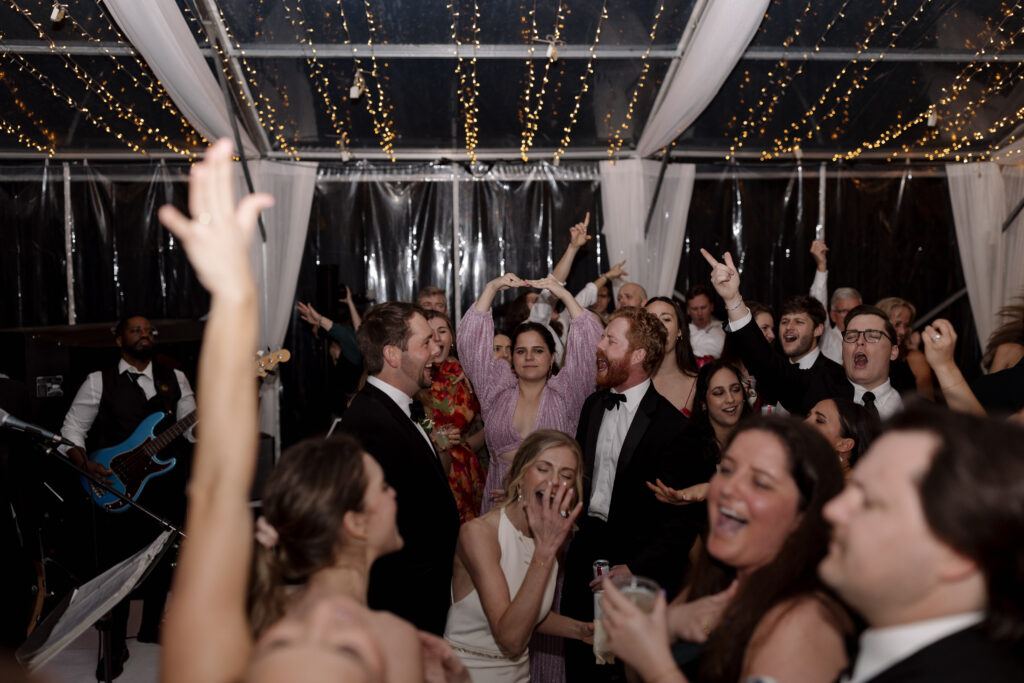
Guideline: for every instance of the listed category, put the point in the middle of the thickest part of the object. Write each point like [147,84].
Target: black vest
[123,405]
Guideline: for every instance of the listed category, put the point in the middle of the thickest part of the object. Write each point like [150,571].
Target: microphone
[8,420]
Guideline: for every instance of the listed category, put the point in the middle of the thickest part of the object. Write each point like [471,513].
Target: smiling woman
[755,588]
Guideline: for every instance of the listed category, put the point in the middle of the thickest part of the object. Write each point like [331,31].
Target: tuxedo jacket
[967,656]
[797,390]
[415,582]
[651,537]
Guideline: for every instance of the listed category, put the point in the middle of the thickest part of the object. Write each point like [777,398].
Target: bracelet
[733,308]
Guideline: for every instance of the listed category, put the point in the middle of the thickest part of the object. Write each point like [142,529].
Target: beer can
[601,568]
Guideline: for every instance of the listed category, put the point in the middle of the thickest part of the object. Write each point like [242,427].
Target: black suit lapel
[590,447]
[405,423]
[637,429]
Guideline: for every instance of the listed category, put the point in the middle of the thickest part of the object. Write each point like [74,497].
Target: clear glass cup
[640,591]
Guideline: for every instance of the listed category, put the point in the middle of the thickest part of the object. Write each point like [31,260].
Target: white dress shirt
[882,648]
[708,341]
[403,401]
[887,399]
[831,342]
[86,406]
[610,437]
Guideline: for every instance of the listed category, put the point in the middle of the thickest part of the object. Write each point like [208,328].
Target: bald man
[631,294]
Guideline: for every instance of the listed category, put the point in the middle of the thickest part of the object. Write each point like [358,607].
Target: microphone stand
[49,447]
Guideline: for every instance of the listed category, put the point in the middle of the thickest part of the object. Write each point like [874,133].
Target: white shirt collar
[881,648]
[401,399]
[634,395]
[807,361]
[124,366]
[711,325]
[880,392]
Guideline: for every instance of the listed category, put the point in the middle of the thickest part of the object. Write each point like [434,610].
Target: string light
[749,124]
[587,73]
[382,113]
[791,142]
[469,87]
[14,129]
[125,113]
[616,141]
[952,94]
[320,79]
[532,115]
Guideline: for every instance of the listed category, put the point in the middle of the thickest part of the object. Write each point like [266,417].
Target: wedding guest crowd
[496,497]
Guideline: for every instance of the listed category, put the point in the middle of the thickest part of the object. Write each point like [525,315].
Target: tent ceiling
[830,78]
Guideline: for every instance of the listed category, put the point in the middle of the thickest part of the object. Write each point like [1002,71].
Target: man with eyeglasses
[868,348]
[843,300]
[106,411]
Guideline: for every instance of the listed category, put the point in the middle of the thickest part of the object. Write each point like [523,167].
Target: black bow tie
[417,411]
[612,400]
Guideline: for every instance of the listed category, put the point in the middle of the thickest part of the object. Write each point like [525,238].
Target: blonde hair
[530,449]
[891,303]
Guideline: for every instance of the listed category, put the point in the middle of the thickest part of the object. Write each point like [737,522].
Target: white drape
[724,31]
[627,187]
[160,33]
[982,196]
[276,264]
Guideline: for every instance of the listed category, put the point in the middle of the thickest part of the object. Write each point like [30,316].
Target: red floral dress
[454,404]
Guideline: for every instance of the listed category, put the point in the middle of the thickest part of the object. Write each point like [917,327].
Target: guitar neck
[172,433]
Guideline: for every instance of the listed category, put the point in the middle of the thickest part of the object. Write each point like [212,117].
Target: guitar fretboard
[156,444]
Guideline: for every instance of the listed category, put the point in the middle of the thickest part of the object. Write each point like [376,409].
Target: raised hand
[694,621]
[616,271]
[667,494]
[348,296]
[507,281]
[308,314]
[217,237]
[578,236]
[939,340]
[819,250]
[550,517]
[724,278]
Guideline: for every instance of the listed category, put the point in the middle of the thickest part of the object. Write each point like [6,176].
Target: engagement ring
[936,338]
[564,513]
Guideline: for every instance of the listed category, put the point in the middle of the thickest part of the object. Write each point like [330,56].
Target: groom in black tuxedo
[397,345]
[630,435]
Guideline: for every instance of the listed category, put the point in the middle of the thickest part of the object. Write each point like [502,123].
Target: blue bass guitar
[134,461]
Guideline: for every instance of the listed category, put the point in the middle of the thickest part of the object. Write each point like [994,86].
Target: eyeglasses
[151,331]
[870,336]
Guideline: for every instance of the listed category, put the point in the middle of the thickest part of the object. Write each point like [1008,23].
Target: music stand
[85,605]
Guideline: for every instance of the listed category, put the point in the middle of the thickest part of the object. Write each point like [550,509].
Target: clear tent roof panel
[422,97]
[415,22]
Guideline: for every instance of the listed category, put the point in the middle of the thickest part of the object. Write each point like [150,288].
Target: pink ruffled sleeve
[475,342]
[576,380]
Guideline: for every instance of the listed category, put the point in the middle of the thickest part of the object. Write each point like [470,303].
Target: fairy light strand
[533,114]
[584,86]
[617,139]
[466,73]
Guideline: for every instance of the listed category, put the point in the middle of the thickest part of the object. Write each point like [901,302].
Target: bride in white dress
[505,563]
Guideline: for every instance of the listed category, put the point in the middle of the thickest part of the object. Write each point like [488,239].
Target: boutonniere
[427,424]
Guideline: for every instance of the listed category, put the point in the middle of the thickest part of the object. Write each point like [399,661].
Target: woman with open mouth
[754,607]
[506,563]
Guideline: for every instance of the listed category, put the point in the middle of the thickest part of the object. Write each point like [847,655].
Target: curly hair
[646,332]
[1010,331]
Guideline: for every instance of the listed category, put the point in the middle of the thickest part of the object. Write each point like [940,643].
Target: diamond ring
[936,338]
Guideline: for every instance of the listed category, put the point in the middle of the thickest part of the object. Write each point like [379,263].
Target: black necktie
[417,412]
[869,403]
[612,400]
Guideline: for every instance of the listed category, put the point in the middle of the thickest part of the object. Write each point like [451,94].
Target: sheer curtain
[627,188]
[157,29]
[722,34]
[982,195]
[276,262]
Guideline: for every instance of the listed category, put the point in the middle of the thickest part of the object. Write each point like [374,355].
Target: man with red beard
[630,435]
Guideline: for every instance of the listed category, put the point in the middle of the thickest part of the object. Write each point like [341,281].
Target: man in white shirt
[106,411]
[397,345]
[630,435]
[926,546]
[707,338]
[843,300]
[869,345]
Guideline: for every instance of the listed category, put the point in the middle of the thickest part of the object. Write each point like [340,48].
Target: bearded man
[630,436]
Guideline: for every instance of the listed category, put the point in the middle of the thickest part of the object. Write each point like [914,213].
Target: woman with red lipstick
[755,590]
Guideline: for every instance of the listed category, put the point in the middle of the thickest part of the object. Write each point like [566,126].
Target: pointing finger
[708,257]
